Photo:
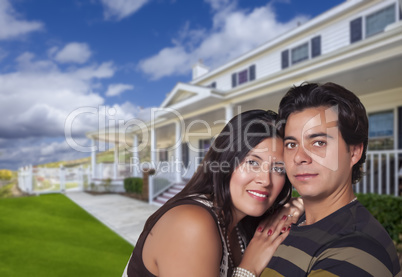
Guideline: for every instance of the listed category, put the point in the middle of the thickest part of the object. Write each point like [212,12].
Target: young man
[325,138]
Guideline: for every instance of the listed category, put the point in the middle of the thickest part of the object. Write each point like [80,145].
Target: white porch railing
[383,173]
[106,171]
[162,180]
[383,176]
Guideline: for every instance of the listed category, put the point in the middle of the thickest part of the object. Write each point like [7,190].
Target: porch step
[175,189]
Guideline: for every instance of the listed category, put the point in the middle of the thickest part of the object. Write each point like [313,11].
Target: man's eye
[290,145]
[320,143]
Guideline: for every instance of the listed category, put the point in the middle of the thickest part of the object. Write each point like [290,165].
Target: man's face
[317,160]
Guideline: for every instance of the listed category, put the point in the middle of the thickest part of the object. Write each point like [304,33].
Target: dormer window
[373,23]
[376,22]
[302,52]
[244,76]
[212,85]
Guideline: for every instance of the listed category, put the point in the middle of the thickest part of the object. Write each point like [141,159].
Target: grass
[49,235]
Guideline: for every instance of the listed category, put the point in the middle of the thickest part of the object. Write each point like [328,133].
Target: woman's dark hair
[352,116]
[243,132]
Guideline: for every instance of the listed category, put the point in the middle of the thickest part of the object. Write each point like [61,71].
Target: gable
[179,96]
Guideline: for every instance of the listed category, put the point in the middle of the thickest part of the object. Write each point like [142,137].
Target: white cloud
[39,98]
[119,9]
[11,24]
[117,89]
[233,33]
[73,52]
[218,4]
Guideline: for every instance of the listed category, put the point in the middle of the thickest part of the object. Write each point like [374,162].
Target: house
[357,44]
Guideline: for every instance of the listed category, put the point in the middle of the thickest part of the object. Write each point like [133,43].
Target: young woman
[204,230]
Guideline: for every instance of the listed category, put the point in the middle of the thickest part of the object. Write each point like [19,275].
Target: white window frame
[308,42]
[395,127]
[364,18]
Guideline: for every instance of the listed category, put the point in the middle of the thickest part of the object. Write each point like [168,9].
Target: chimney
[199,69]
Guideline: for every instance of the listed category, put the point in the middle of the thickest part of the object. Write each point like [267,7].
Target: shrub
[5,174]
[387,209]
[133,185]
[6,191]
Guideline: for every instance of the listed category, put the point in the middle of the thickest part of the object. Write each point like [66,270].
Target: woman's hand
[293,210]
[263,245]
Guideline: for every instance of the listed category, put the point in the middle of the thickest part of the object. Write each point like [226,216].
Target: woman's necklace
[304,221]
[242,247]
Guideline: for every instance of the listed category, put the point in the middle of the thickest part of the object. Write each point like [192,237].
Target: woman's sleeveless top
[135,266]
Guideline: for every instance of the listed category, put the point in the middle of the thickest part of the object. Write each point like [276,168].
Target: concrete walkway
[125,216]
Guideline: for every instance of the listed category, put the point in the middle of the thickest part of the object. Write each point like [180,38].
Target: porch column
[153,165]
[228,112]
[153,147]
[178,153]
[93,159]
[136,158]
[116,160]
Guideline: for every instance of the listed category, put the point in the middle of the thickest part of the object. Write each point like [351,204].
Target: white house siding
[224,82]
[268,64]
[335,36]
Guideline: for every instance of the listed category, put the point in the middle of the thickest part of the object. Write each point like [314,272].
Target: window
[212,85]
[316,46]
[399,127]
[163,155]
[376,22]
[381,130]
[356,30]
[244,76]
[185,157]
[204,144]
[285,59]
[300,53]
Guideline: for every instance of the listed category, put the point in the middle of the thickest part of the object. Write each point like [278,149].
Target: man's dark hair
[352,116]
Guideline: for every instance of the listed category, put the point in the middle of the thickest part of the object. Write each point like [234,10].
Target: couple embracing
[236,217]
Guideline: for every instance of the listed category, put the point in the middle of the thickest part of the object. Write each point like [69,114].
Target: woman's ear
[356,152]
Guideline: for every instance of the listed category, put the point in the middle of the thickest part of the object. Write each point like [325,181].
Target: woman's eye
[252,163]
[320,143]
[278,169]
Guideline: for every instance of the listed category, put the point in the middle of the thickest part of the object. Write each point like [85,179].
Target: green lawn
[50,235]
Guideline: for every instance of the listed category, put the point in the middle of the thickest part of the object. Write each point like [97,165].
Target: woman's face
[258,180]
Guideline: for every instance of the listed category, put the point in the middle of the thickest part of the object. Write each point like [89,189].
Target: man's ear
[356,152]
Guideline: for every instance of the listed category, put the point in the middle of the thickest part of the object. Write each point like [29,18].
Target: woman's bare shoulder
[190,219]
[188,242]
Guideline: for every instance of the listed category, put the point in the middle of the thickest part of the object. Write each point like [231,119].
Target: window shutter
[400,12]
[316,46]
[200,148]
[234,80]
[251,72]
[285,59]
[356,30]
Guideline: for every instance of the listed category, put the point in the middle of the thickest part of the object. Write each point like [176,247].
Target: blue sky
[58,56]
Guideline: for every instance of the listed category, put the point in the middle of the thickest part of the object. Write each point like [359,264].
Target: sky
[58,58]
